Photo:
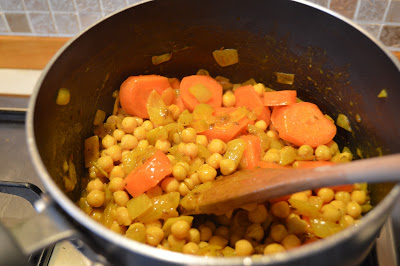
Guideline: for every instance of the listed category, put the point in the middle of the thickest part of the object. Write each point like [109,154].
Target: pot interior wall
[335,66]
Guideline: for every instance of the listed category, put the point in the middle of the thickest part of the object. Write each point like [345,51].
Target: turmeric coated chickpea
[129,124]
[175,111]
[191,150]
[259,214]
[217,146]
[115,152]
[227,166]
[206,173]
[261,124]
[243,248]
[359,196]
[326,194]
[343,196]
[280,209]
[273,248]
[106,163]
[259,88]
[278,232]
[179,172]
[154,235]
[95,185]
[96,198]
[202,140]
[129,142]
[116,184]
[143,144]
[301,196]
[147,125]
[218,241]
[291,241]
[116,171]
[305,151]
[163,145]
[170,184]
[118,134]
[120,198]
[193,236]
[330,213]
[353,209]
[228,99]
[189,135]
[190,248]
[180,229]
[323,153]
[183,189]
[140,133]
[108,141]
[214,160]
[205,233]
[123,216]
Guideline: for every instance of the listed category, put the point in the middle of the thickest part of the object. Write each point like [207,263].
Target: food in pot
[170,136]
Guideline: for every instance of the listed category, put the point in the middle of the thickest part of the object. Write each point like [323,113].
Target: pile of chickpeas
[267,228]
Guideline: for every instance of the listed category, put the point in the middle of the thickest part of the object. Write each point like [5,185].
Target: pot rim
[71,209]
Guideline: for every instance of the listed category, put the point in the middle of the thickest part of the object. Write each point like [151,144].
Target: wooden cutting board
[34,52]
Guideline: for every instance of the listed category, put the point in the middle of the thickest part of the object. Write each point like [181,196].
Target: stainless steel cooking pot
[336,65]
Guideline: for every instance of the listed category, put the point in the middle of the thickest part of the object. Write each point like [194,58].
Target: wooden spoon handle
[258,185]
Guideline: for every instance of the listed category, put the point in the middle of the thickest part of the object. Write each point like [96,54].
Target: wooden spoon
[260,184]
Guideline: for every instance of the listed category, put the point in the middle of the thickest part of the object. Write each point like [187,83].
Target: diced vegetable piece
[305,208]
[157,110]
[164,207]
[158,59]
[252,152]
[99,117]
[201,93]
[228,252]
[92,147]
[148,175]
[343,122]
[83,205]
[288,155]
[303,124]
[246,96]
[170,221]
[234,150]
[226,57]
[382,94]
[227,127]
[213,87]
[185,118]
[137,232]
[109,215]
[158,133]
[63,96]
[279,98]
[135,91]
[284,78]
[139,205]
[322,228]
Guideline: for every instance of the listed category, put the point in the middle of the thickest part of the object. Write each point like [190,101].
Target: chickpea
[129,142]
[189,135]
[228,99]
[96,198]
[106,163]
[214,160]
[333,147]
[129,124]
[170,184]
[163,145]
[97,214]
[176,138]
[273,248]
[175,111]
[123,216]
[191,248]
[108,141]
[115,152]
[301,196]
[343,196]
[179,172]
[259,88]
[206,173]
[120,198]
[139,121]
[154,235]
[326,194]
[180,229]
[193,236]
[217,146]
[348,219]
[278,232]
[140,133]
[259,215]
[147,125]
[280,209]
[183,189]
[202,140]
[115,227]
[175,243]
[189,183]
[243,248]
[205,233]
[227,166]
[353,209]
[323,153]
[218,241]
[340,205]
[316,201]
[185,164]
[255,231]
[195,179]
[116,172]
[330,213]
[261,124]
[92,172]
[154,192]
[295,225]
[155,223]
[191,150]
[116,184]
[272,134]
[95,185]
[272,155]
[143,144]
[291,241]
[118,134]
[305,151]
[359,196]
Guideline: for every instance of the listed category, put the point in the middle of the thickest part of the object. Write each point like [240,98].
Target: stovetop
[15,165]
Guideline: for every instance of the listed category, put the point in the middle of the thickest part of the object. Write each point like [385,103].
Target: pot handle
[38,232]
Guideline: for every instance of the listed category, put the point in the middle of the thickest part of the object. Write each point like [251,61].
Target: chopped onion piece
[99,117]
[343,122]
[226,57]
[63,96]
[159,59]
[382,94]
[284,78]
[201,93]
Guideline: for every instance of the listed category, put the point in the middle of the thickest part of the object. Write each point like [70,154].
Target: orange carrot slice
[279,98]
[246,96]
[197,86]
[252,152]
[148,175]
[303,123]
[135,91]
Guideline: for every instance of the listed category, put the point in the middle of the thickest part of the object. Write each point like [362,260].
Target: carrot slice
[246,96]
[279,98]
[148,175]
[135,91]
[252,152]
[303,123]
[203,85]
[226,128]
